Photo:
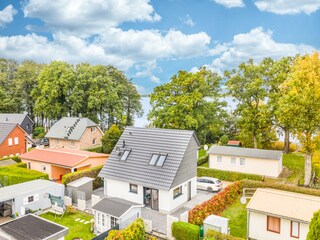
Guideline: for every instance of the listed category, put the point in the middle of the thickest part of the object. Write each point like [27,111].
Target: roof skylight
[125,155]
[158,159]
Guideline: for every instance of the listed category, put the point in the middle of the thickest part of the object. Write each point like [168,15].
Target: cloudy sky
[152,40]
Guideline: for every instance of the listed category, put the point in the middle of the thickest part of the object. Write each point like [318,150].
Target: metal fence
[103,236]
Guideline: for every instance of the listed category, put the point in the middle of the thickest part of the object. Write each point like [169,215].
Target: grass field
[201,152]
[76,229]
[237,215]
[294,162]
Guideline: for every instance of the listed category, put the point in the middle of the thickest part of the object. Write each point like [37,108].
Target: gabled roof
[245,152]
[60,156]
[143,143]
[70,128]
[7,162]
[5,130]
[13,117]
[283,204]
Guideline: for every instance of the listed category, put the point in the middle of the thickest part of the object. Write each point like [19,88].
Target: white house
[280,215]
[246,160]
[153,167]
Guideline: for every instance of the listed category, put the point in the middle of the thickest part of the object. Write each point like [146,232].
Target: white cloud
[155,79]
[6,15]
[187,20]
[288,6]
[256,44]
[230,3]
[88,17]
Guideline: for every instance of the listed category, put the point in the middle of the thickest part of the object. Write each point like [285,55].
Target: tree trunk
[255,142]
[307,169]
[286,141]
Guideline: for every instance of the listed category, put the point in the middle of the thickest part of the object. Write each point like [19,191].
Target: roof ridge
[52,150]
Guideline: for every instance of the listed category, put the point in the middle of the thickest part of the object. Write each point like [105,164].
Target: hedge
[226,175]
[18,174]
[203,160]
[95,149]
[14,158]
[213,235]
[135,231]
[216,204]
[93,173]
[183,230]
[21,165]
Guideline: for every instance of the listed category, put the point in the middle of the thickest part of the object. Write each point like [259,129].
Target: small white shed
[81,188]
[216,223]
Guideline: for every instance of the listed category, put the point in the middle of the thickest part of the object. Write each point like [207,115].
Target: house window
[158,159]
[295,229]
[28,127]
[125,155]
[93,129]
[94,141]
[10,141]
[29,165]
[133,188]
[219,159]
[242,161]
[16,141]
[114,222]
[273,224]
[99,218]
[161,160]
[177,192]
[233,160]
[43,167]
[30,199]
[103,220]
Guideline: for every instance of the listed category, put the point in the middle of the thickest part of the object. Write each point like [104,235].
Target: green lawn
[237,215]
[294,163]
[201,153]
[76,229]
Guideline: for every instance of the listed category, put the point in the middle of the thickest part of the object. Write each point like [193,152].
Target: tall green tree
[190,101]
[110,138]
[300,104]
[314,227]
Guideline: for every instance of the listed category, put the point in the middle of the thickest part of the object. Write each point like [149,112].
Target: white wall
[258,228]
[266,167]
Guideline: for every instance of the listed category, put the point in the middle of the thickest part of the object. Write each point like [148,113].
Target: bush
[216,204]
[224,140]
[183,230]
[21,165]
[135,231]
[202,160]
[213,235]
[280,146]
[226,175]
[93,173]
[39,132]
[14,158]
[314,227]
[110,138]
[95,149]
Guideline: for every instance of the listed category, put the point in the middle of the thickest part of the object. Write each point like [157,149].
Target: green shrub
[216,205]
[226,175]
[21,165]
[135,231]
[314,227]
[213,235]
[93,173]
[95,149]
[38,132]
[202,160]
[278,145]
[14,158]
[224,140]
[183,231]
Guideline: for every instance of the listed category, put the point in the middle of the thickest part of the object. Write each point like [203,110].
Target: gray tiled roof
[12,117]
[180,165]
[245,152]
[5,130]
[114,206]
[60,128]
[7,162]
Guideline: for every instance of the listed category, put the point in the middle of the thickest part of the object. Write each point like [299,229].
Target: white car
[209,184]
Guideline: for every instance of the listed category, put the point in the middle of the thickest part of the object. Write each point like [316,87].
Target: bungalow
[12,140]
[76,133]
[246,160]
[58,162]
[154,167]
[18,118]
[280,215]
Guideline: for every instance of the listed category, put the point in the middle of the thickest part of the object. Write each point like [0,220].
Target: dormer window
[158,159]
[125,155]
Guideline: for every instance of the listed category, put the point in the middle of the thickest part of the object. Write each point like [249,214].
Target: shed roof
[300,207]
[5,130]
[60,156]
[31,227]
[245,152]
[13,117]
[114,206]
[10,192]
[7,162]
[81,181]
[216,220]
[70,128]
[142,144]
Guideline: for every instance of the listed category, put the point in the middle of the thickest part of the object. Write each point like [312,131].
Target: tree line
[48,92]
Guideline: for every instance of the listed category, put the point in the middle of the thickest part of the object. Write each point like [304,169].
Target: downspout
[248,220]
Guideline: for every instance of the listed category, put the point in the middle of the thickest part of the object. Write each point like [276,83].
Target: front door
[151,198]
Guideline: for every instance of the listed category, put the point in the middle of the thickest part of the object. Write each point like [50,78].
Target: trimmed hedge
[95,149]
[183,230]
[135,231]
[203,160]
[14,158]
[93,173]
[21,165]
[213,235]
[216,204]
[226,175]
[17,173]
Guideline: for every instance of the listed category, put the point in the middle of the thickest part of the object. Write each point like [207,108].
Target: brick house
[74,133]
[12,140]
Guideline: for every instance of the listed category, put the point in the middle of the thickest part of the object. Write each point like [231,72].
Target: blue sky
[151,40]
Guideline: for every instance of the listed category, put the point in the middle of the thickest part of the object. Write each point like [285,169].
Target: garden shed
[81,188]
[216,223]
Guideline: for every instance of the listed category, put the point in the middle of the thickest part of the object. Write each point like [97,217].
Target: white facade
[265,167]
[166,201]
[257,228]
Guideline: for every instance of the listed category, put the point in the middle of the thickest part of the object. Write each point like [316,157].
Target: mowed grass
[76,229]
[294,162]
[201,153]
[237,215]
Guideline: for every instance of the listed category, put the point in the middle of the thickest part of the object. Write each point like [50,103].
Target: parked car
[209,184]
[43,141]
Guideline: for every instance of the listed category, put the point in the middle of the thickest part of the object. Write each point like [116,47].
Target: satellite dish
[243,200]
[205,147]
